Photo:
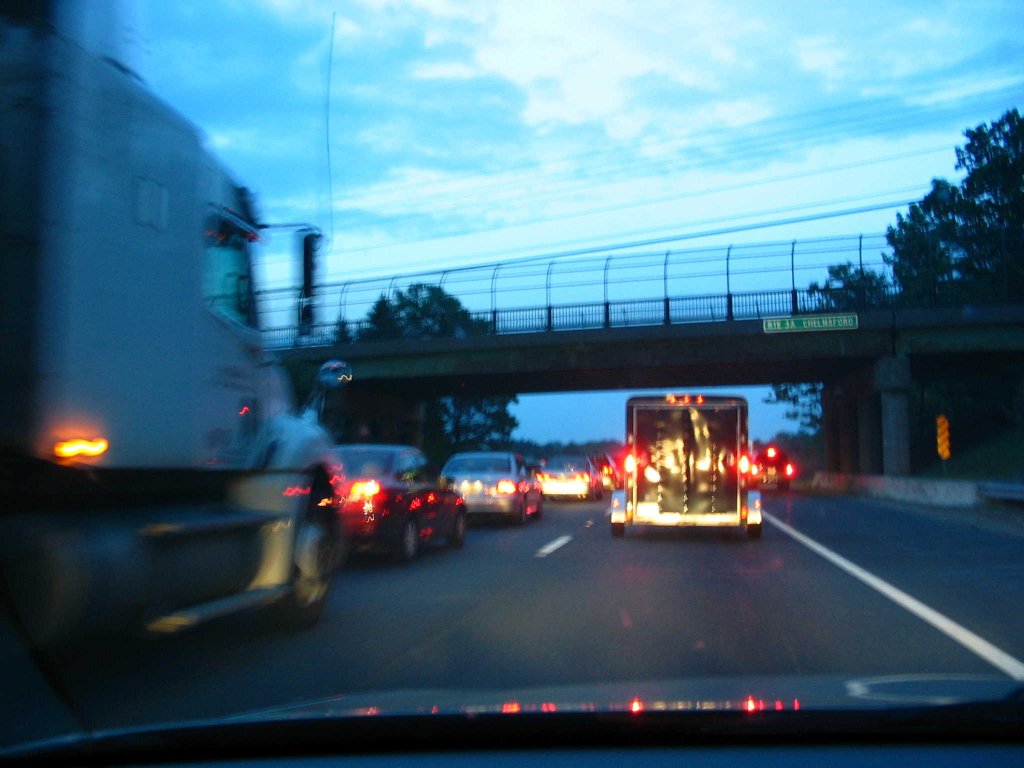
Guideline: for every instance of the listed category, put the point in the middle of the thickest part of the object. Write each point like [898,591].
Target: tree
[804,401]
[421,311]
[454,422]
[966,241]
[851,287]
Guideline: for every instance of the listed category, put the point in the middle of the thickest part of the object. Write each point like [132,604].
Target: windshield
[269,266]
[567,464]
[368,462]
[470,464]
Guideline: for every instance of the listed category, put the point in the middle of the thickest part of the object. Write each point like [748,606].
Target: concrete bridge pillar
[869,434]
[892,381]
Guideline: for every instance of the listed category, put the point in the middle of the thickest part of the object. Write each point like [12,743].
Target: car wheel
[754,530]
[618,530]
[409,542]
[519,518]
[458,537]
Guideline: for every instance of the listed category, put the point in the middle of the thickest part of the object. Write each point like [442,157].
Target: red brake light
[744,464]
[630,463]
[365,489]
[771,452]
[789,470]
[506,486]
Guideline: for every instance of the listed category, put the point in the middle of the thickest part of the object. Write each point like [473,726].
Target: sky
[426,135]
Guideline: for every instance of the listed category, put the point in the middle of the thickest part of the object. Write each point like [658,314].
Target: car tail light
[630,463]
[789,470]
[543,476]
[744,465]
[583,477]
[506,487]
[754,470]
[364,489]
[771,452]
[606,470]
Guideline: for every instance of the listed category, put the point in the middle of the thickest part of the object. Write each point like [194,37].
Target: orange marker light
[66,449]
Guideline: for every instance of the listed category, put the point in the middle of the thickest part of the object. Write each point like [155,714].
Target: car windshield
[567,464]
[471,464]
[366,462]
[415,357]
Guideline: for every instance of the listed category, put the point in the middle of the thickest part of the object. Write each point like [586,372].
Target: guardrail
[1005,491]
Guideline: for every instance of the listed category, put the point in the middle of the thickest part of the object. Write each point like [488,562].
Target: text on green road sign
[843,322]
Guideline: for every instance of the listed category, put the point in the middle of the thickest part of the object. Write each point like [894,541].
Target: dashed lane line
[551,546]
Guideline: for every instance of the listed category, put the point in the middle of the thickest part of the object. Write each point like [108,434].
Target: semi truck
[687,465]
[155,470]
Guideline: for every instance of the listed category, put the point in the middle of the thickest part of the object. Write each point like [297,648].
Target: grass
[1001,458]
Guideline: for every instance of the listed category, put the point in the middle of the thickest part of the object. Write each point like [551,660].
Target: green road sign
[842,322]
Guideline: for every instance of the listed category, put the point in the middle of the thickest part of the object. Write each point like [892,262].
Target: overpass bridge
[865,347]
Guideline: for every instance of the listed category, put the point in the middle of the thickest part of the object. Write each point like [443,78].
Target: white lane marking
[972,642]
[550,547]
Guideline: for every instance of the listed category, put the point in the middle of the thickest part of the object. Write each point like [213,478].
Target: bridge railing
[750,305]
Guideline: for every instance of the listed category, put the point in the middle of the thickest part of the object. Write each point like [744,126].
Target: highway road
[559,602]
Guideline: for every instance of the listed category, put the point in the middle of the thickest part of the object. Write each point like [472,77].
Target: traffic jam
[686,462]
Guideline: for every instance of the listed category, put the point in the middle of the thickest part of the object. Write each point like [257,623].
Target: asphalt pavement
[559,602]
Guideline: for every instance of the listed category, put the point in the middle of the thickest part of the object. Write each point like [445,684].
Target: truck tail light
[67,449]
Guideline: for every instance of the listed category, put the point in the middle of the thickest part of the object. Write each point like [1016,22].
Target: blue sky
[462,133]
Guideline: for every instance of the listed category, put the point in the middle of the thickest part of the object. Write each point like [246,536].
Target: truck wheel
[315,557]
[618,530]
[754,531]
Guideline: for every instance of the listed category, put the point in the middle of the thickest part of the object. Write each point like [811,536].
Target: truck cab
[154,464]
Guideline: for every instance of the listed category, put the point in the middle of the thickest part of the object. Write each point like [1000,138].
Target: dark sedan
[773,468]
[391,498]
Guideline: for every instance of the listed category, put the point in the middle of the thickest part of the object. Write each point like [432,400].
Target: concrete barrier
[917,490]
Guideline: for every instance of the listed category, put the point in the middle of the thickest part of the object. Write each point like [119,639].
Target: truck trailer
[687,465]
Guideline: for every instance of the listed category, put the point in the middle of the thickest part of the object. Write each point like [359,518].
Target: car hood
[728,710]
[737,694]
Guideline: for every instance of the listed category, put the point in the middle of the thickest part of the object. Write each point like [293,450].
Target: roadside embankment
[918,490]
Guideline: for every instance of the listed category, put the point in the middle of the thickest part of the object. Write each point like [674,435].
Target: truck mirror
[334,374]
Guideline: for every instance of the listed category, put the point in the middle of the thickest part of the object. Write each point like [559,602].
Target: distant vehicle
[495,483]
[687,465]
[611,478]
[571,476]
[772,468]
[391,499]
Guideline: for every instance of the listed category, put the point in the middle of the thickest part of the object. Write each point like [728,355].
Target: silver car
[494,483]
